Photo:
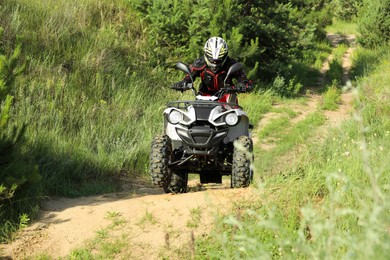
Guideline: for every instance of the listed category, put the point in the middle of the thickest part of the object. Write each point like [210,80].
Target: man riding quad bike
[212,69]
[208,136]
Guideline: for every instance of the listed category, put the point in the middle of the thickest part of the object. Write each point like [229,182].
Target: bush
[19,181]
[290,88]
[264,35]
[374,23]
[346,10]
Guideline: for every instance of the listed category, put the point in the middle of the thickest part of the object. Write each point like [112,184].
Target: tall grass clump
[287,137]
[332,97]
[331,203]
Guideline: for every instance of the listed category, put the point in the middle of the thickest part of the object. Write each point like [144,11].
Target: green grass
[288,137]
[342,27]
[275,129]
[257,104]
[334,79]
[334,75]
[147,219]
[323,51]
[329,200]
[196,216]
[331,98]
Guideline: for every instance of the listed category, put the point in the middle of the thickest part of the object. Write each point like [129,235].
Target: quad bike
[205,137]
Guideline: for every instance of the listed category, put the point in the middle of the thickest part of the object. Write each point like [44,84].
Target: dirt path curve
[152,222]
[314,99]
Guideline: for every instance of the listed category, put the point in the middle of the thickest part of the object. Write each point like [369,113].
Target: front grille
[200,139]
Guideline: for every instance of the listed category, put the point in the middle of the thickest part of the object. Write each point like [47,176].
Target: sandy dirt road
[153,221]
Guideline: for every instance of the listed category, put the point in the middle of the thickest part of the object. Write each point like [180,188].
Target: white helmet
[215,53]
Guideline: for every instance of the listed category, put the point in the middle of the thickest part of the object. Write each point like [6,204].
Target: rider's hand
[181,85]
[241,87]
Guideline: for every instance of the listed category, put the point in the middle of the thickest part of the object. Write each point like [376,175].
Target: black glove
[181,85]
[241,87]
[244,87]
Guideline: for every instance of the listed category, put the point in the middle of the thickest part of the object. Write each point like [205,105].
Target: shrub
[374,23]
[290,88]
[19,181]
[346,9]
[264,35]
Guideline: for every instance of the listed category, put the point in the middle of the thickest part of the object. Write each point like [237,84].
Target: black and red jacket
[213,82]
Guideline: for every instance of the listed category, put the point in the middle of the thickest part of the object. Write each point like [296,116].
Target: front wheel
[161,150]
[242,159]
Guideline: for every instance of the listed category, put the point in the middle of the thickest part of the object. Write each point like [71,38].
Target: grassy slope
[333,201]
[85,95]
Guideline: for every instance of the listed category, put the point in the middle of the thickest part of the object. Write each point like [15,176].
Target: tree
[346,9]
[18,179]
[374,22]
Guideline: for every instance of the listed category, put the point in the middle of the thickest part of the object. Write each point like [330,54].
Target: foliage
[264,35]
[374,23]
[291,88]
[343,27]
[19,181]
[346,10]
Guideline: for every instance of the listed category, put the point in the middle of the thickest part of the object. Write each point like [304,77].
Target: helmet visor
[214,64]
[215,61]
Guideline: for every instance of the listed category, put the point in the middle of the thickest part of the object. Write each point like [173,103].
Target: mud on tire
[159,160]
[242,159]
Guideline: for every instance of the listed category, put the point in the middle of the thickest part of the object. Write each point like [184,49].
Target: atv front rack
[182,104]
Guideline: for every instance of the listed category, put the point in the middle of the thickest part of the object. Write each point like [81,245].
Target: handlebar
[227,89]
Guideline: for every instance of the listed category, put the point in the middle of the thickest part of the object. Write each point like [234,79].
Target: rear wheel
[242,158]
[161,150]
[179,182]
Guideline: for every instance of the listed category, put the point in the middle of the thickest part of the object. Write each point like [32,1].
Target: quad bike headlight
[175,117]
[231,119]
